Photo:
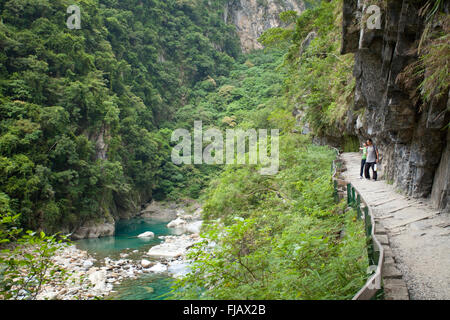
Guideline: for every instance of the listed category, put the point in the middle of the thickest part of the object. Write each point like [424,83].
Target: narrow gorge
[95,204]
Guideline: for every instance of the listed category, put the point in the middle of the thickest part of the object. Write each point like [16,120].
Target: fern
[428,76]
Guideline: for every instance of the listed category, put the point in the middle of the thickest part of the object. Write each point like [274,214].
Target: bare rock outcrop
[93,229]
[253,17]
[410,134]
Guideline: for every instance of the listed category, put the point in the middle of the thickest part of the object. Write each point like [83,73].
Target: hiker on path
[363,159]
[372,160]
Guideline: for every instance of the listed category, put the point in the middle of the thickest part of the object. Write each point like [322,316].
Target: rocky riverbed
[91,278]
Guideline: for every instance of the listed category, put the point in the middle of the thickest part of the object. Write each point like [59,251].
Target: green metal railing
[362,213]
[375,250]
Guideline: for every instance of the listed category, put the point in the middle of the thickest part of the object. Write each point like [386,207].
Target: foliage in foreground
[26,264]
[279,237]
[428,78]
[283,236]
[86,115]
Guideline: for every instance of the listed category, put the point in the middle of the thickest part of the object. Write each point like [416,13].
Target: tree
[26,263]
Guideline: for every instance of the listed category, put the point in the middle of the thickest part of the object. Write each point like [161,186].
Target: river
[125,242]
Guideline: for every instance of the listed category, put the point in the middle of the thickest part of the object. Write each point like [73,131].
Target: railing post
[368,223]
[358,206]
[353,196]
[349,194]
[374,248]
[366,211]
[336,194]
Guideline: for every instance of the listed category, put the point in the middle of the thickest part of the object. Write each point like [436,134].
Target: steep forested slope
[280,236]
[86,119]
[84,113]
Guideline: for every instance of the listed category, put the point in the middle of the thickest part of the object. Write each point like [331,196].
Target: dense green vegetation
[319,81]
[26,264]
[86,115]
[428,78]
[86,118]
[136,71]
[229,101]
[283,236]
[279,237]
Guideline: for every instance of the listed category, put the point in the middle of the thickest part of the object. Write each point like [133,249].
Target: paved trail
[419,235]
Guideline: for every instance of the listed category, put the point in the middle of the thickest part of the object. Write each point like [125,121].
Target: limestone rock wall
[411,136]
[93,229]
[253,17]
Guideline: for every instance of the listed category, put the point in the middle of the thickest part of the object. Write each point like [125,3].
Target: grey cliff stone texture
[411,136]
[253,17]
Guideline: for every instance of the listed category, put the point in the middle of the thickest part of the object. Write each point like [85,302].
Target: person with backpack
[371,160]
[363,159]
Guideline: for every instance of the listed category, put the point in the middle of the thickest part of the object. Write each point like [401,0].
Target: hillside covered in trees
[86,114]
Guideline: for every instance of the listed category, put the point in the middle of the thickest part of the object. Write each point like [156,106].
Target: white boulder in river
[166,252]
[158,268]
[194,227]
[178,268]
[172,247]
[87,264]
[98,280]
[177,223]
[147,234]
[145,263]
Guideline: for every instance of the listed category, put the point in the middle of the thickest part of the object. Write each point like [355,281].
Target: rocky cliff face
[253,17]
[410,135]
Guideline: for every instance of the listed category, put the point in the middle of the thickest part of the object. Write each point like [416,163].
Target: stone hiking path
[419,235]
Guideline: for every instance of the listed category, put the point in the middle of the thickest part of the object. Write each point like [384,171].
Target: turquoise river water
[147,286]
